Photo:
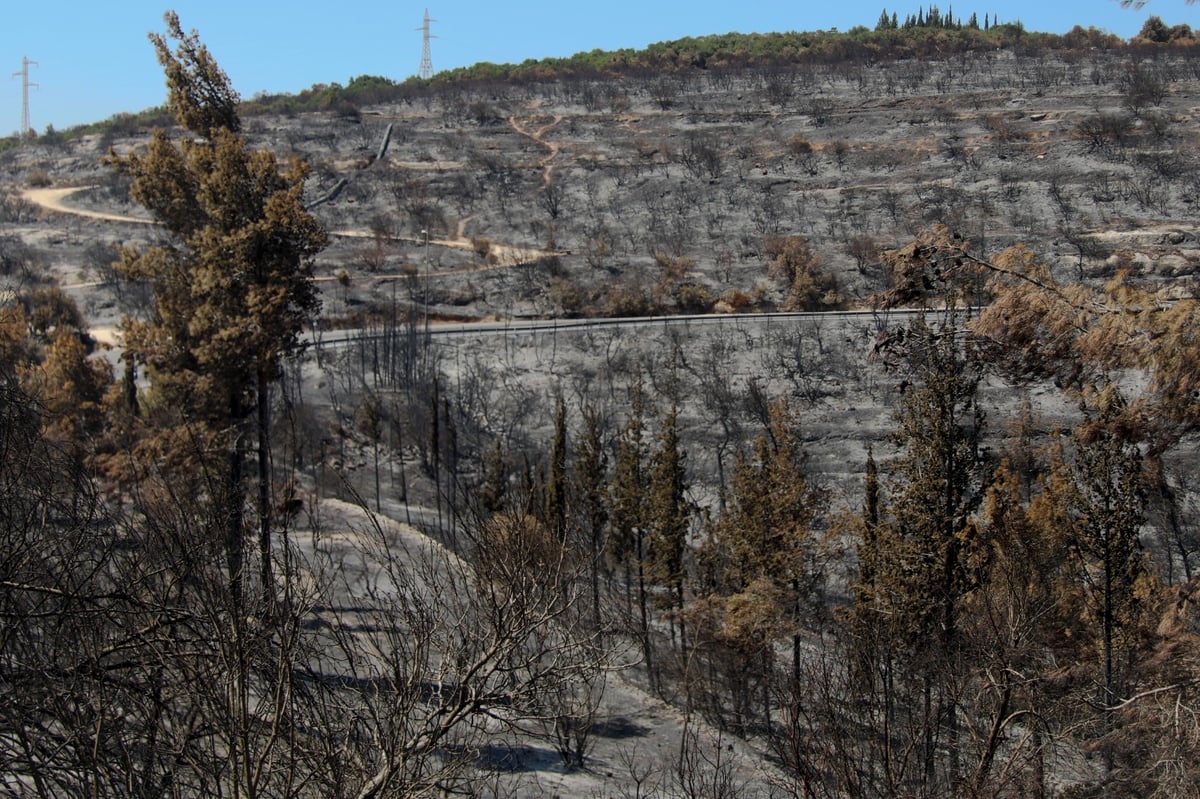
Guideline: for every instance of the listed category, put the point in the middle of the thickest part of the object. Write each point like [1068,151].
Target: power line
[26,129]
[426,70]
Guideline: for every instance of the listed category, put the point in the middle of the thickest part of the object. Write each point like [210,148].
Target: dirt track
[52,199]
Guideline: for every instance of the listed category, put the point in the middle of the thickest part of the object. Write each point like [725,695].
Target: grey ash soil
[706,165]
[608,198]
[568,199]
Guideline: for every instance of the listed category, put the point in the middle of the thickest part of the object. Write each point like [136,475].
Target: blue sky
[94,60]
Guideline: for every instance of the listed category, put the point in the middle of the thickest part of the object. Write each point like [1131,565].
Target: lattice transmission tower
[426,70]
[25,87]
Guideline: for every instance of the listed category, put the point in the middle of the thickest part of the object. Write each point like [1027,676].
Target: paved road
[447,330]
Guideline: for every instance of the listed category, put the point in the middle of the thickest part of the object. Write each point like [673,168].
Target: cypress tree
[588,479]
[627,519]
[493,490]
[556,481]
[667,510]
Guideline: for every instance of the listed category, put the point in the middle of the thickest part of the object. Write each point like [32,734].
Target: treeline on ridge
[929,34]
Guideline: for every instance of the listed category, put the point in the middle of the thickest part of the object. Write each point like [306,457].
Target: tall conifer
[232,283]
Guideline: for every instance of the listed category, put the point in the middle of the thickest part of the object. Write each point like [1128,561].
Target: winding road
[504,255]
[52,200]
[500,255]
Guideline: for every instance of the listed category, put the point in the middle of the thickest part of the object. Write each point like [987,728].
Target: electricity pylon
[25,87]
[426,70]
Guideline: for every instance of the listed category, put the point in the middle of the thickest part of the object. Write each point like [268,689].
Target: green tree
[1154,30]
[232,285]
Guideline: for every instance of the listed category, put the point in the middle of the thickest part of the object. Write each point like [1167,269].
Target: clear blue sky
[94,60]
